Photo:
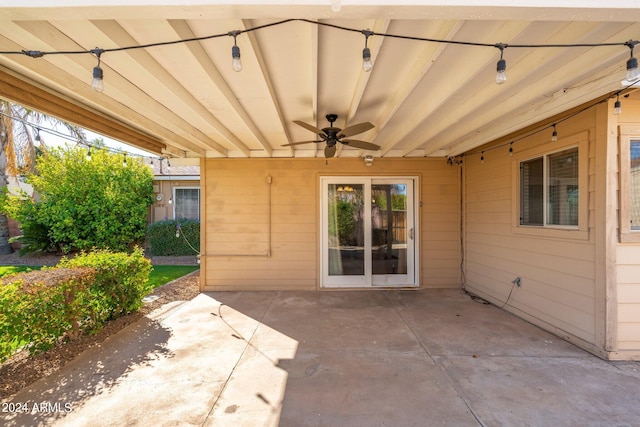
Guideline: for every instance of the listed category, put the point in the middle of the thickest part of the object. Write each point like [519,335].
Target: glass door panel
[345,229]
[389,228]
[367,232]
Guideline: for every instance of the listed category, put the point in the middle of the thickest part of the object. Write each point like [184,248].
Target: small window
[187,203]
[549,191]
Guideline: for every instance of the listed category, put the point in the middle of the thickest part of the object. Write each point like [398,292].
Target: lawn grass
[160,274]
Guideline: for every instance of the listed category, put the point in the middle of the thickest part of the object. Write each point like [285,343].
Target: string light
[482,158]
[617,106]
[97,83]
[501,66]
[78,140]
[554,134]
[633,73]
[124,161]
[367,65]
[236,63]
[457,160]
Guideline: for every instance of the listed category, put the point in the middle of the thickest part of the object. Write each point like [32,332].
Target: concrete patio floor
[366,358]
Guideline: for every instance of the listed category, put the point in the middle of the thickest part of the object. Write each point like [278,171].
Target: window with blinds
[187,203]
[549,192]
[634,185]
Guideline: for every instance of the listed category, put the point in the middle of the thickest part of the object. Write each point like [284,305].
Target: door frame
[411,279]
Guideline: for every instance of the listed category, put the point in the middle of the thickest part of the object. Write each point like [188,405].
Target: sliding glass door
[368,232]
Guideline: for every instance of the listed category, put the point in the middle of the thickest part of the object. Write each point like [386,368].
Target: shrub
[39,307]
[120,282]
[83,204]
[163,240]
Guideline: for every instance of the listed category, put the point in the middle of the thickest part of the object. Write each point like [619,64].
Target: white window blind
[549,192]
[187,203]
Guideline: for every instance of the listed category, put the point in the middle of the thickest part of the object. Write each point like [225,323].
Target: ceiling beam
[183,31]
[56,105]
[169,84]
[374,44]
[424,61]
[72,82]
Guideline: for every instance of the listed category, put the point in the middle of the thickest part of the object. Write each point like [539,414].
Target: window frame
[175,200]
[626,135]
[579,232]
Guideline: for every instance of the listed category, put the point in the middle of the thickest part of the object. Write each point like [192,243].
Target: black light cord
[501,46]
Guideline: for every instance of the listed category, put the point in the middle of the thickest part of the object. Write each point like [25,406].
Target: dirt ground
[23,368]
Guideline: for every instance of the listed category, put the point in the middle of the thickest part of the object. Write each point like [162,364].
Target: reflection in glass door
[368,232]
[345,228]
[389,231]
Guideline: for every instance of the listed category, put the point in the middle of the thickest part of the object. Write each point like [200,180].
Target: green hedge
[174,237]
[79,295]
[39,307]
[121,279]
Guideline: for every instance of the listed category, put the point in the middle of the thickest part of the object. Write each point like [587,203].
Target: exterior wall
[161,209]
[261,220]
[628,253]
[559,269]
[628,277]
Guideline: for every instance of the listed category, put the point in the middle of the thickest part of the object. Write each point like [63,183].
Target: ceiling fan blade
[360,144]
[329,151]
[298,143]
[356,129]
[308,127]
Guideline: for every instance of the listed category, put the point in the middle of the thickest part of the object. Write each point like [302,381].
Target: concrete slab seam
[244,350]
[435,360]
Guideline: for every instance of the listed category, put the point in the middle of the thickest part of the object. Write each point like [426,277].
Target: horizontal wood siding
[628,258]
[557,272]
[238,227]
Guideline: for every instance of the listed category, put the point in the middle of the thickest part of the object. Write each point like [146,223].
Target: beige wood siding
[556,267]
[628,253]
[628,268]
[261,236]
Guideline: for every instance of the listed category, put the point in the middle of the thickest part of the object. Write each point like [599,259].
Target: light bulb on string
[89,154]
[97,83]
[37,137]
[554,134]
[482,157]
[124,161]
[633,73]
[236,62]
[367,64]
[501,66]
[511,149]
[170,200]
[617,106]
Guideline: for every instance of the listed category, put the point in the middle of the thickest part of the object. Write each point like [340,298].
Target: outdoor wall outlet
[517,281]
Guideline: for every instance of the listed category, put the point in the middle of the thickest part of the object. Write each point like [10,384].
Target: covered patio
[347,358]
